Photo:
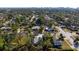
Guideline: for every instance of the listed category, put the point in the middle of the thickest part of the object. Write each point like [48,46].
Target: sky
[39,3]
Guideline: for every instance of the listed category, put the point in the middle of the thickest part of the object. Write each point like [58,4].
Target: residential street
[68,35]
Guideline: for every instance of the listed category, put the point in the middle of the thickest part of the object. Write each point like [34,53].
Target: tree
[61,37]
[2,43]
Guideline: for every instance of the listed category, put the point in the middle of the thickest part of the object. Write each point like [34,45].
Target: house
[47,29]
[35,28]
[63,26]
[66,18]
[76,44]
[57,43]
[6,23]
[37,39]
[18,30]
[47,17]
[5,28]
[38,22]
[72,27]
[21,31]
[13,20]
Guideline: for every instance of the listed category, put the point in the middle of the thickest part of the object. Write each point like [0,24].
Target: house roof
[57,42]
[5,28]
[76,44]
[36,27]
[37,38]
[48,29]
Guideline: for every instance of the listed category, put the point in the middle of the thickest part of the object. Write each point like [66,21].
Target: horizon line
[40,7]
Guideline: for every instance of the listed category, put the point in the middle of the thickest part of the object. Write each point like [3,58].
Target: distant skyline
[39,3]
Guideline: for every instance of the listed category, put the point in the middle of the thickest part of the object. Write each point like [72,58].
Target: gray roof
[57,42]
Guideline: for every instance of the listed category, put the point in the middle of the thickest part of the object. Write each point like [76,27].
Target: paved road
[32,18]
[68,35]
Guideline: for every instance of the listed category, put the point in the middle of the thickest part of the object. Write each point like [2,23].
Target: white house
[5,28]
[38,38]
[35,27]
